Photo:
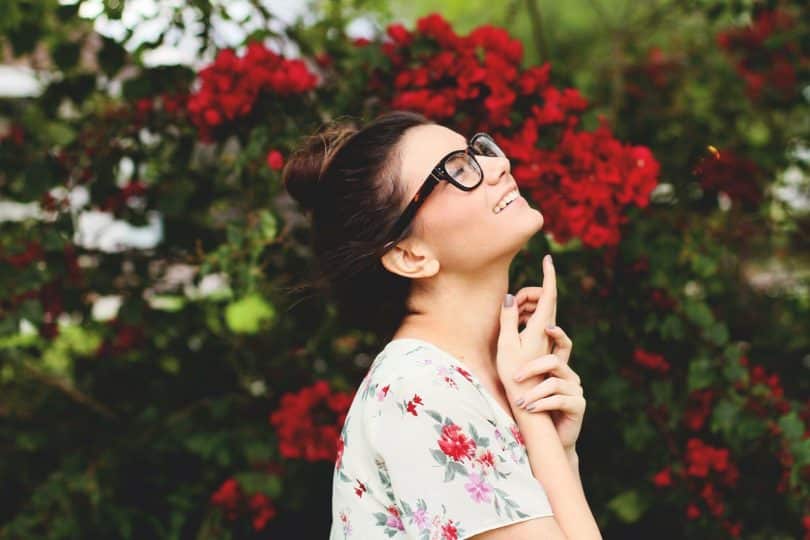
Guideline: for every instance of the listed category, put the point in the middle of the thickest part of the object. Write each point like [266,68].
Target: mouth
[507,200]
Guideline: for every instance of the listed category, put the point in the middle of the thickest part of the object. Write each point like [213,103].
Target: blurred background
[162,377]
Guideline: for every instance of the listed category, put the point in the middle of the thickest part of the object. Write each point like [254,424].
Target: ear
[410,258]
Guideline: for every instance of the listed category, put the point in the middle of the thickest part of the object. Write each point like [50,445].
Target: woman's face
[459,228]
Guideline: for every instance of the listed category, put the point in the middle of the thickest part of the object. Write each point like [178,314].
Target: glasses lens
[484,145]
[464,170]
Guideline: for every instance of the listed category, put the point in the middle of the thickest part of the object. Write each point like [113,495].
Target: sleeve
[448,468]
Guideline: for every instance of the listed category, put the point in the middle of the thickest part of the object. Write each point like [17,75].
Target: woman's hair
[347,178]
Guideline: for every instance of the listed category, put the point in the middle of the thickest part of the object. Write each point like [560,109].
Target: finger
[550,387]
[563,343]
[548,363]
[545,311]
[569,404]
[508,337]
[531,294]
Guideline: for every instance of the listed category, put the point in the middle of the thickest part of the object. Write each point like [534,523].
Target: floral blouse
[427,453]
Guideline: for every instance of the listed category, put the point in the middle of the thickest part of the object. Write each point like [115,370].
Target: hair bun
[303,171]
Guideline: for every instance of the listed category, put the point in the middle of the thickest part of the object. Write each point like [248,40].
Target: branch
[76,395]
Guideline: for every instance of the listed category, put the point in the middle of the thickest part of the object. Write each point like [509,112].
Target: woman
[436,443]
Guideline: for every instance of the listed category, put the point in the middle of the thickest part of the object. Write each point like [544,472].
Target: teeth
[509,197]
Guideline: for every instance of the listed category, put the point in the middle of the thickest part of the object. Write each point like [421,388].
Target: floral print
[427,453]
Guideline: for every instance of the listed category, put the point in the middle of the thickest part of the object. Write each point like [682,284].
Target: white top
[426,452]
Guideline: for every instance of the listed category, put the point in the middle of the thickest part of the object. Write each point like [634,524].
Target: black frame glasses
[439,173]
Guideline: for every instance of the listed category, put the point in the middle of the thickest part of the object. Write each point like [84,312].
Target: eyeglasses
[459,167]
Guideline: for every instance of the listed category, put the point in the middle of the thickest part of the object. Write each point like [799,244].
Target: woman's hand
[560,393]
[516,348]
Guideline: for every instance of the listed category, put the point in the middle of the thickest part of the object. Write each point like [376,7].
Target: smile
[504,202]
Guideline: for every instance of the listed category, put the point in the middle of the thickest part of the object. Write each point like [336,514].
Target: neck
[460,314]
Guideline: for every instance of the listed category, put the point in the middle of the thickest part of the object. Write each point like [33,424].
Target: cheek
[460,222]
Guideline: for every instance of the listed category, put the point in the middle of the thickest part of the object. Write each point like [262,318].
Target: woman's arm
[556,469]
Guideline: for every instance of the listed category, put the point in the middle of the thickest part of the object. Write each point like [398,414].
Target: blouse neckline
[481,388]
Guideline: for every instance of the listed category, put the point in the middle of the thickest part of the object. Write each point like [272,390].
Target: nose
[495,168]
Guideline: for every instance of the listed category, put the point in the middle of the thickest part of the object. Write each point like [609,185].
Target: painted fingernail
[530,407]
[519,402]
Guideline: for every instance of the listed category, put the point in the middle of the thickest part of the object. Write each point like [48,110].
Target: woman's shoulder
[408,361]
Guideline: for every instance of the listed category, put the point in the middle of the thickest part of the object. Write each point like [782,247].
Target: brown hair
[347,178]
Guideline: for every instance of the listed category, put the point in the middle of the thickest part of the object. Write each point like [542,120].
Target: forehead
[423,146]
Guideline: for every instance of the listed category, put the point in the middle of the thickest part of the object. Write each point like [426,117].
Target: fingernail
[519,402]
[530,407]
[508,300]
[551,327]
[518,378]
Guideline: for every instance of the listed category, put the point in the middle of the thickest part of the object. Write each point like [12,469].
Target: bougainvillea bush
[163,377]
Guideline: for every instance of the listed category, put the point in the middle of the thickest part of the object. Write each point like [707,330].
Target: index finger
[546,310]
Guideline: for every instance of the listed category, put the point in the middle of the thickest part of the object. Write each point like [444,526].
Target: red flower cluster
[582,184]
[767,63]
[300,436]
[231,85]
[455,443]
[658,70]
[585,183]
[482,66]
[234,502]
[653,361]
[736,176]
[701,459]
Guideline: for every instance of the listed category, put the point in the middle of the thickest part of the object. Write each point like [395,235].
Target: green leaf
[629,506]
[700,374]
[792,426]
[246,315]
[699,313]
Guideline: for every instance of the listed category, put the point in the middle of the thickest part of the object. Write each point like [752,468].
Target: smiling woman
[415,226]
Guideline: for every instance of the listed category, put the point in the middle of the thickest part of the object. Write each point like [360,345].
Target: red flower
[455,443]
[300,436]
[231,85]
[663,478]
[227,496]
[692,511]
[699,408]
[653,361]
[262,508]
[275,160]
[412,403]
[739,177]
[449,531]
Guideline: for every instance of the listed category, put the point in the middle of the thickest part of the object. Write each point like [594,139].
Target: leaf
[436,416]
[459,468]
[792,426]
[700,374]
[246,314]
[439,456]
[629,506]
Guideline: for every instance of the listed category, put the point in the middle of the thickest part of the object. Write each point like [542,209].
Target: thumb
[508,338]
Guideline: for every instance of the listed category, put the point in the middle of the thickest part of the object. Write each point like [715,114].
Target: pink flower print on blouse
[455,444]
[478,488]
[517,435]
[393,520]
[345,523]
[382,392]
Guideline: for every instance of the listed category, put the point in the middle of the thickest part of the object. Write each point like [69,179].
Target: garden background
[162,377]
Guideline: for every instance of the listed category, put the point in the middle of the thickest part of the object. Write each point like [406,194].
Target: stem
[538,28]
